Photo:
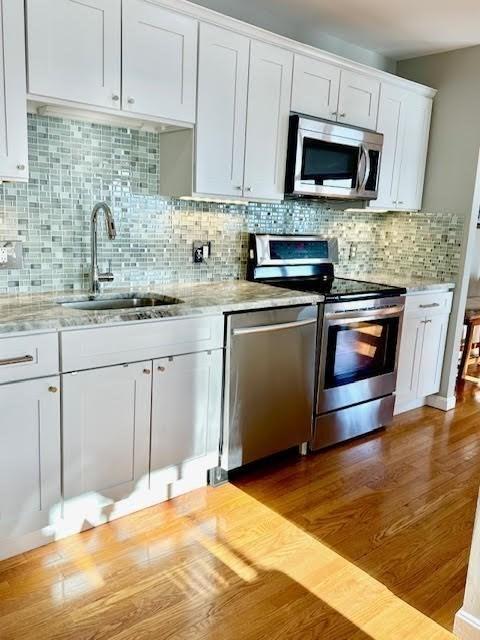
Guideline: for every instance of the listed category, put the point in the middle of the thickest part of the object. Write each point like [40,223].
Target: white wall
[455,131]
[452,179]
[301,30]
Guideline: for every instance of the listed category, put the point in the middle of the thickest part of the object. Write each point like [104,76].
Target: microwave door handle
[362,168]
[367,168]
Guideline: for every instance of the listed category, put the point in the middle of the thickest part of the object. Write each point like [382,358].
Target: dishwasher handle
[273,327]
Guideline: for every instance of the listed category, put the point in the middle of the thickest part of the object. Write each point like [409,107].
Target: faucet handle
[108,275]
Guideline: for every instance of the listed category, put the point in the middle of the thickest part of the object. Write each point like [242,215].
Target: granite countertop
[41,312]
[412,284]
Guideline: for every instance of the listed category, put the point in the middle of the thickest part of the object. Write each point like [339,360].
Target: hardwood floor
[366,541]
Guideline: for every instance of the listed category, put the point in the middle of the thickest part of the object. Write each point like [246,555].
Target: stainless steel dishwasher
[269,383]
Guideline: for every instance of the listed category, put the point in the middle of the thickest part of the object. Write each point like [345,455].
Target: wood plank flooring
[366,541]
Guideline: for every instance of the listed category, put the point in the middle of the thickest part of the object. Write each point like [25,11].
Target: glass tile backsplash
[75,164]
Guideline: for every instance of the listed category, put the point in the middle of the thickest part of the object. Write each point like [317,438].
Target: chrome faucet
[95,277]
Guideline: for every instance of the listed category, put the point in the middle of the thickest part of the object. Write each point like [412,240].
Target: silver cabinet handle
[115,97]
[53,389]
[19,360]
[334,113]
[429,306]
[248,189]
[161,369]
[342,115]
[147,372]
[273,327]
[131,100]
[21,167]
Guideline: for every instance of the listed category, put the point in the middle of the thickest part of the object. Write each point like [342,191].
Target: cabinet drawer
[428,304]
[23,357]
[99,347]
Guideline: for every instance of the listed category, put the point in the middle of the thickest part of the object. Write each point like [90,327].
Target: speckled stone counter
[410,283]
[42,312]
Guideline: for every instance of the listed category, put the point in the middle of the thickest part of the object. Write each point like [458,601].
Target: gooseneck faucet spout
[95,277]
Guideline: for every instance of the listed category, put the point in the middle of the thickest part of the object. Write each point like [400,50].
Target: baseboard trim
[444,403]
[466,627]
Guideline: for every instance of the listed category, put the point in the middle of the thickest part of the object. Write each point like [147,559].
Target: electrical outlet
[11,254]
[201,251]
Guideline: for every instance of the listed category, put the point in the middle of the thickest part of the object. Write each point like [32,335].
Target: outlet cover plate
[11,254]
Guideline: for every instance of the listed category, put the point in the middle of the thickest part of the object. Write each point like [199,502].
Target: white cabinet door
[30,478]
[13,112]
[413,149]
[391,122]
[358,99]
[159,58]
[221,112]
[315,88]
[106,431]
[433,351]
[74,49]
[269,94]
[186,409]
[409,359]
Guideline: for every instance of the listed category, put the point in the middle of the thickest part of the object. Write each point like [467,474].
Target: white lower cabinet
[106,434]
[186,410]
[422,349]
[30,487]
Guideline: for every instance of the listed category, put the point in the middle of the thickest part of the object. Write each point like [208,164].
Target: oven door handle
[362,316]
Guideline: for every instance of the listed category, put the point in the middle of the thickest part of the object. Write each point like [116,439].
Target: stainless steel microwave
[330,160]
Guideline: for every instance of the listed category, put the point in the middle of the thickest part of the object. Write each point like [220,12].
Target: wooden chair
[472,320]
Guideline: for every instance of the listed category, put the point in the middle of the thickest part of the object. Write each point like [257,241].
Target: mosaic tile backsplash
[75,164]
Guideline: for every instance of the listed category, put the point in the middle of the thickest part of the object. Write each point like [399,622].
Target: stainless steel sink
[130,301]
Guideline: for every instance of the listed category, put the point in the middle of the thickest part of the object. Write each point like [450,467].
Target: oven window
[329,164]
[360,350]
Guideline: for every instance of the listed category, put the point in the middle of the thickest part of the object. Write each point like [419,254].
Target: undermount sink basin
[131,301]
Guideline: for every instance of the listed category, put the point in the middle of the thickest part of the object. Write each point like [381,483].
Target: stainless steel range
[358,334]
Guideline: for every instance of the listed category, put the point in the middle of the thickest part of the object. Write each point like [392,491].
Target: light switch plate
[11,254]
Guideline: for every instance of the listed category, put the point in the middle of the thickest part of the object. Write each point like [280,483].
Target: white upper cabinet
[269,92]
[358,99]
[222,111]
[404,120]
[239,153]
[159,58]
[391,122]
[324,90]
[74,49]
[315,88]
[13,112]
[414,147]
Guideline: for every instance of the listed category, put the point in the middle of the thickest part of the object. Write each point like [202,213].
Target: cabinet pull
[342,115]
[147,372]
[429,306]
[53,389]
[161,369]
[21,167]
[334,113]
[131,100]
[19,360]
[115,97]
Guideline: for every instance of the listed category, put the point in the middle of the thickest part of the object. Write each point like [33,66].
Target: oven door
[358,354]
